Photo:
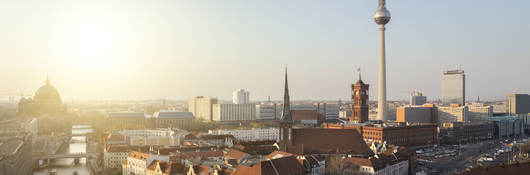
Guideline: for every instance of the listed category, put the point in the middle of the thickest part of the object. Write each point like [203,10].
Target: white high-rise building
[201,107]
[234,112]
[241,96]
[454,87]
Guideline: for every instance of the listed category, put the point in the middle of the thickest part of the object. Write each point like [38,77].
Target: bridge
[62,156]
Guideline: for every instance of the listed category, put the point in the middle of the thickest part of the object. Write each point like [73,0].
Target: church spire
[286,110]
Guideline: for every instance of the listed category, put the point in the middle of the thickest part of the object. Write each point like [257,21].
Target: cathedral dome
[47,94]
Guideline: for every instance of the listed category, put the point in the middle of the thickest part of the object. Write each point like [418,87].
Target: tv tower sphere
[382,15]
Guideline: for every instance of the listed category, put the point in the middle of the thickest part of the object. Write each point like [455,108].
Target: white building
[254,134]
[241,96]
[114,156]
[152,137]
[137,162]
[234,112]
[201,107]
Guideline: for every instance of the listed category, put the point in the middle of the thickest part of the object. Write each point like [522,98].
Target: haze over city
[179,49]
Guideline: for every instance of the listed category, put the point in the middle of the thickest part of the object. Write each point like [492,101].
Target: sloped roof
[326,141]
[235,154]
[285,165]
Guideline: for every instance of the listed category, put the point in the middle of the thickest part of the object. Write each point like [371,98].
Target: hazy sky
[179,49]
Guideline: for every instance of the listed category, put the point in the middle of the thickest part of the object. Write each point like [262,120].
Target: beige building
[418,114]
[114,156]
[454,113]
[479,112]
[234,112]
[152,137]
[126,120]
[201,107]
[181,120]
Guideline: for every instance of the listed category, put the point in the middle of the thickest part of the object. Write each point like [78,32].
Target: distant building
[254,134]
[454,87]
[202,107]
[17,126]
[307,117]
[478,112]
[153,137]
[114,156]
[137,162]
[268,111]
[507,126]
[182,120]
[417,98]
[241,96]
[393,161]
[427,113]
[454,113]
[126,120]
[234,112]
[463,132]
[517,104]
[158,167]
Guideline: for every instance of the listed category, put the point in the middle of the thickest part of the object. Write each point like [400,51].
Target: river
[67,166]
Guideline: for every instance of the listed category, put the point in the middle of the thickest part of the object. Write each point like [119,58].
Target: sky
[137,49]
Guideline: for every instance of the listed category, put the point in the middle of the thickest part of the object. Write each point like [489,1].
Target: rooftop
[127,115]
[173,115]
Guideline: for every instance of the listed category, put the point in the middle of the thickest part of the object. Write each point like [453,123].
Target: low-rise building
[427,113]
[137,162]
[453,113]
[115,155]
[181,120]
[158,167]
[507,126]
[392,162]
[234,112]
[253,134]
[153,137]
[464,132]
[478,112]
[126,120]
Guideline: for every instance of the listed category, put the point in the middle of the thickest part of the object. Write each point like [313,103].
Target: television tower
[382,17]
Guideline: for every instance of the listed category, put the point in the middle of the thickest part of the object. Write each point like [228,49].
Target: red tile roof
[235,154]
[327,141]
[286,165]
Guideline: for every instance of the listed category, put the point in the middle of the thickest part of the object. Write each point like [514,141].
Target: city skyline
[112,56]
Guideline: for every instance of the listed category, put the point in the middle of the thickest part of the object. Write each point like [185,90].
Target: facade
[463,132]
[390,162]
[114,156]
[241,96]
[181,120]
[254,134]
[401,134]
[137,162]
[454,87]
[417,98]
[126,120]
[202,107]
[15,126]
[453,113]
[307,117]
[15,154]
[160,137]
[507,126]
[517,104]
[165,168]
[234,112]
[268,111]
[478,112]
[360,109]
[427,113]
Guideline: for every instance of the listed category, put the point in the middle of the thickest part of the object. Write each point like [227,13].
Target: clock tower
[359,99]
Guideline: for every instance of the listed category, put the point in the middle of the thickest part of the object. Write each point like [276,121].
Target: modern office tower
[234,112]
[416,98]
[454,87]
[382,17]
[201,107]
[241,96]
[518,104]
[359,99]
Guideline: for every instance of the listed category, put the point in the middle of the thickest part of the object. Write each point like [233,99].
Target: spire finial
[47,80]
[359,71]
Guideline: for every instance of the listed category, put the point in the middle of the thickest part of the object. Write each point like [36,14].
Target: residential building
[417,98]
[181,120]
[16,126]
[158,167]
[393,161]
[314,164]
[241,96]
[234,112]
[137,162]
[15,154]
[115,155]
[126,120]
[253,134]
[453,113]
[202,107]
[465,132]
[454,87]
[428,113]
[284,165]
[151,137]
